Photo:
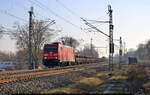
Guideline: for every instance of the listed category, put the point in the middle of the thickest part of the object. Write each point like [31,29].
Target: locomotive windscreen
[51,48]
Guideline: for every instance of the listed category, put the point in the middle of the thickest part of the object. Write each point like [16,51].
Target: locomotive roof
[56,43]
[67,46]
[60,43]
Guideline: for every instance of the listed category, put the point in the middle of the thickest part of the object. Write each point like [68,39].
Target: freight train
[56,54]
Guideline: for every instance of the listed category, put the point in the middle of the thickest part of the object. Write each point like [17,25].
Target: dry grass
[137,72]
[105,73]
[137,76]
[65,91]
[92,81]
[118,77]
[82,86]
[87,84]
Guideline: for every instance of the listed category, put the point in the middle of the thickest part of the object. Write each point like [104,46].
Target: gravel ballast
[36,86]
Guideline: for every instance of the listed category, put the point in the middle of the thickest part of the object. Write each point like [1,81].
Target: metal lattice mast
[30,39]
[111,44]
[120,53]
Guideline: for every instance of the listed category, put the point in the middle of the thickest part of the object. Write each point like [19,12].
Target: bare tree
[88,51]
[41,34]
[147,46]
[1,31]
[7,56]
[142,52]
[70,41]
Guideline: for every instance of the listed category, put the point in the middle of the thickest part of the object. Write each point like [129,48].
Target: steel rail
[33,75]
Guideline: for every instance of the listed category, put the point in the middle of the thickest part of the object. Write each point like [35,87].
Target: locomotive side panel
[67,55]
[57,54]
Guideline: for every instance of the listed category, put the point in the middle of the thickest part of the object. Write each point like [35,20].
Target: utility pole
[111,44]
[71,41]
[120,53]
[91,48]
[30,39]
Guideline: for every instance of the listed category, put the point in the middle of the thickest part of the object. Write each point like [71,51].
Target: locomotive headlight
[55,54]
[45,54]
[45,57]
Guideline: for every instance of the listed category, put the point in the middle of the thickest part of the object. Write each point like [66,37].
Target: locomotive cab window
[51,48]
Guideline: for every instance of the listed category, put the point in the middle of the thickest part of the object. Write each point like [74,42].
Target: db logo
[50,53]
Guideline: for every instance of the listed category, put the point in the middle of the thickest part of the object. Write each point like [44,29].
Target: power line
[31,1]
[39,4]
[69,10]
[42,6]
[102,16]
[14,16]
[21,6]
[73,13]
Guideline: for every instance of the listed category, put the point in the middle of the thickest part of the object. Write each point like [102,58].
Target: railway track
[6,73]
[21,75]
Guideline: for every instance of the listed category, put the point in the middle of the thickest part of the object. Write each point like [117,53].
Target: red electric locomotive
[57,54]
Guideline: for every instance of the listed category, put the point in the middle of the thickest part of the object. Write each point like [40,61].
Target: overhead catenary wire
[42,6]
[68,9]
[12,15]
[17,4]
[84,20]
[31,1]
[90,25]
[72,12]
[20,5]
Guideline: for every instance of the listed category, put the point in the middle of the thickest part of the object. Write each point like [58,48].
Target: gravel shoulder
[36,86]
[99,83]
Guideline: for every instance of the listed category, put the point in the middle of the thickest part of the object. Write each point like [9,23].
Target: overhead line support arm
[92,26]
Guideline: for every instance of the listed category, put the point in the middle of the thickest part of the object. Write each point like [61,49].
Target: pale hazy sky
[130,17]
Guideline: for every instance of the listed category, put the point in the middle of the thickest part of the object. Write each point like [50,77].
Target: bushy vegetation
[142,52]
[137,76]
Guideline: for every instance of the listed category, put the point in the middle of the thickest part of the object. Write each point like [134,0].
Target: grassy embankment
[88,85]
